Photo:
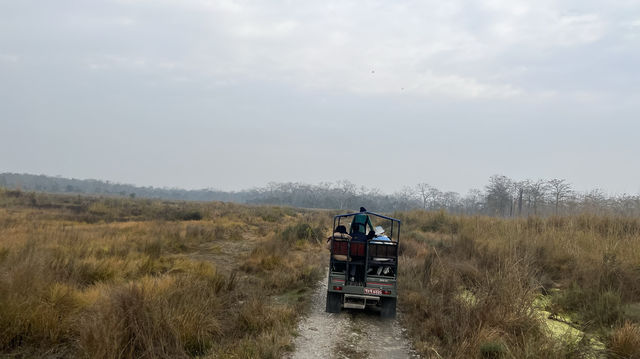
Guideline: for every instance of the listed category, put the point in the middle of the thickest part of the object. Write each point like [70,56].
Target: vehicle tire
[388,309]
[334,302]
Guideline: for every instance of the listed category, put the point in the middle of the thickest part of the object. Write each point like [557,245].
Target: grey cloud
[233,94]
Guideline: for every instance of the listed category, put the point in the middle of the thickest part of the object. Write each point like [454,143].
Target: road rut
[349,334]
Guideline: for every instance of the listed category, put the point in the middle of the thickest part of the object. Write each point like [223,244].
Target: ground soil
[350,334]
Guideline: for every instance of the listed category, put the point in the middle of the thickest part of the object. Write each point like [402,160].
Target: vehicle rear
[363,271]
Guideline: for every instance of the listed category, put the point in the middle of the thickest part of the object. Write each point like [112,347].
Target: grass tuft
[625,341]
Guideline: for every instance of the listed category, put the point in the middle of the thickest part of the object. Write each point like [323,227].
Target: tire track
[353,334]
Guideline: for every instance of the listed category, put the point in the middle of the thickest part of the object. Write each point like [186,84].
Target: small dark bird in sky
[373,71]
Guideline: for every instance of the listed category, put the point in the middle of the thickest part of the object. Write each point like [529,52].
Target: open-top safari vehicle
[363,265]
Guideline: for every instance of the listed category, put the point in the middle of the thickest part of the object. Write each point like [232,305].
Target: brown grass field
[561,287]
[119,278]
[99,277]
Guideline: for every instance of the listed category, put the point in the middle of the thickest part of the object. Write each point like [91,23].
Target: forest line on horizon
[501,196]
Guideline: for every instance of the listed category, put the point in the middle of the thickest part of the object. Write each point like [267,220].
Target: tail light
[387,292]
[335,287]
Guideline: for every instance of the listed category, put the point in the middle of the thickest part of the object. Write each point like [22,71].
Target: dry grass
[110,278]
[469,283]
[284,269]
[625,341]
[103,277]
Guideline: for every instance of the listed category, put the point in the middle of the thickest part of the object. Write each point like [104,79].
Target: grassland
[122,278]
[561,287]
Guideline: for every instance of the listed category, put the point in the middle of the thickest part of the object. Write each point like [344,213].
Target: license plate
[373,291]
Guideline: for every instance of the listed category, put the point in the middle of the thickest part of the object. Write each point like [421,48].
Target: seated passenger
[380,235]
[381,269]
[339,250]
[339,235]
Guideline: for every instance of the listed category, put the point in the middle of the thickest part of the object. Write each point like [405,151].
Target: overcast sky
[234,94]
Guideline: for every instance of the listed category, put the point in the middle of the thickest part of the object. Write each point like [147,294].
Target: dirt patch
[349,334]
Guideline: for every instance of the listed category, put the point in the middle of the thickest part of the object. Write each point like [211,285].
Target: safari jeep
[363,266]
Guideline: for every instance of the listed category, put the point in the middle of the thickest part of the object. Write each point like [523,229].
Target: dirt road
[351,334]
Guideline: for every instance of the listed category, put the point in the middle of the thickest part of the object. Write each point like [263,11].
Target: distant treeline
[42,183]
[501,197]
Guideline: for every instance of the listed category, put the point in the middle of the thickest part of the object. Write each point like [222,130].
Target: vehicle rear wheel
[388,309]
[334,302]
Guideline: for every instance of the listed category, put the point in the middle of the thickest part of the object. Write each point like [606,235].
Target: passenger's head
[379,230]
[362,209]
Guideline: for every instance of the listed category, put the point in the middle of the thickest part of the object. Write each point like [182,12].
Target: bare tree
[518,194]
[436,198]
[451,201]
[346,190]
[499,196]
[407,194]
[537,191]
[404,199]
[473,201]
[595,201]
[560,190]
[423,190]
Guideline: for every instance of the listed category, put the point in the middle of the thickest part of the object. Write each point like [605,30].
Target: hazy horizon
[236,94]
[335,183]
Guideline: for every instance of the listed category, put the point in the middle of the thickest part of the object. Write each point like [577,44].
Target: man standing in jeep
[360,222]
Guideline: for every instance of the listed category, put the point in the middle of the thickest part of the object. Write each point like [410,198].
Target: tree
[436,198]
[451,201]
[560,190]
[595,201]
[518,193]
[346,191]
[537,192]
[473,201]
[499,198]
[423,190]
[404,199]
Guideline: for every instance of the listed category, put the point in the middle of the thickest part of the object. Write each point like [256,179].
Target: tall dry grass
[121,278]
[470,284]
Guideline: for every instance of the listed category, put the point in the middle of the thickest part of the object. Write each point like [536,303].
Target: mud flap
[334,302]
[388,309]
